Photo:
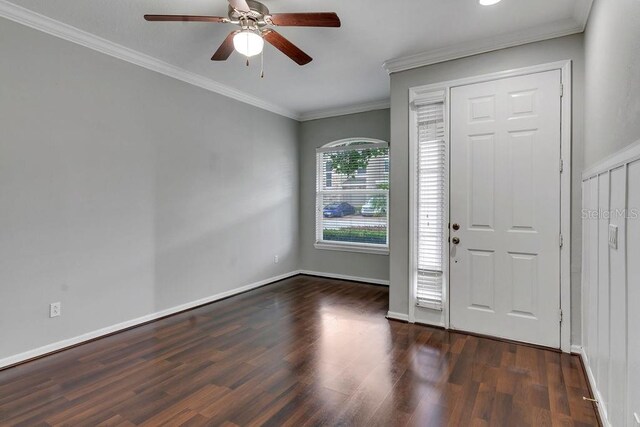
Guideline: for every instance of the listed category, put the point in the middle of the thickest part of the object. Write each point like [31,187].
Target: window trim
[343,145]
[352,247]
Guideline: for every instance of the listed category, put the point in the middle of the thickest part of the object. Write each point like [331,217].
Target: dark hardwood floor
[304,351]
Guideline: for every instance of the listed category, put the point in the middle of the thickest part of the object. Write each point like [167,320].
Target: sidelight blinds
[431,157]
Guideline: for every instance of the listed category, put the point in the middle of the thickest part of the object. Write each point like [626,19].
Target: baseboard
[602,411]
[345,277]
[89,336]
[576,349]
[398,316]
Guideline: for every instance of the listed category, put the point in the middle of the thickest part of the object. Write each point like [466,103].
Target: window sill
[430,306]
[352,248]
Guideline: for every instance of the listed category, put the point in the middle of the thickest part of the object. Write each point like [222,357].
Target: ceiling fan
[254,20]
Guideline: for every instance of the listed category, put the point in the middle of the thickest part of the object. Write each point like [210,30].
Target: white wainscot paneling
[633,295]
[618,302]
[602,371]
[611,285]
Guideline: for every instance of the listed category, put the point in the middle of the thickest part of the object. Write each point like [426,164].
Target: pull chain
[262,64]
[247,50]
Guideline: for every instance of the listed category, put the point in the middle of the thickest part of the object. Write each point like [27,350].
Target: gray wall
[612,122]
[570,47]
[314,134]
[612,80]
[124,192]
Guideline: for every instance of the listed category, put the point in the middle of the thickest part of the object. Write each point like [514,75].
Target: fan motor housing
[257,14]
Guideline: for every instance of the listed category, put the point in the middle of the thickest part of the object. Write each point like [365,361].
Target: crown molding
[67,32]
[343,111]
[549,31]
[582,11]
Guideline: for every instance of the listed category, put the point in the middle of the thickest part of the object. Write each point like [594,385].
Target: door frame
[443,90]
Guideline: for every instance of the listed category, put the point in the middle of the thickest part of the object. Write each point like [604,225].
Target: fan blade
[240,5]
[226,48]
[318,19]
[184,18]
[286,47]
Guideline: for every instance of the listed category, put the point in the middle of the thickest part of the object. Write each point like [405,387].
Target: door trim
[441,318]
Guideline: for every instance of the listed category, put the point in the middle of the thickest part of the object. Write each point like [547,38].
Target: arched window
[352,195]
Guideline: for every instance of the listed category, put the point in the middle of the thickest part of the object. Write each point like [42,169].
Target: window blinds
[431,204]
[352,194]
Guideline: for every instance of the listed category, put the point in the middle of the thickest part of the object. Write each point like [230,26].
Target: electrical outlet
[275,259]
[55,309]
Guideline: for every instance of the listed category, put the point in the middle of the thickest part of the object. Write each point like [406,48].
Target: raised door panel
[481,182]
[482,109]
[522,103]
[524,292]
[522,180]
[482,280]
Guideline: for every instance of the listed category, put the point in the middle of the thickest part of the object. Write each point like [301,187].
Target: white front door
[505,202]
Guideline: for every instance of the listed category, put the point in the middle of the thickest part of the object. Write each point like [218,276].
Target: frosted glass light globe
[248,43]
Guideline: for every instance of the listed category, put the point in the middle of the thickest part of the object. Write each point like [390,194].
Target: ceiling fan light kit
[248,43]
[255,21]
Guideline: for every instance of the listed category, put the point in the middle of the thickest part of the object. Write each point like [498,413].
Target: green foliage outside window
[348,162]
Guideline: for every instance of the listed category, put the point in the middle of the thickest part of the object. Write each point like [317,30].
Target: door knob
[455,240]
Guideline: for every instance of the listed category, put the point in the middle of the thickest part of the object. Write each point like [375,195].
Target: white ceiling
[347,67]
